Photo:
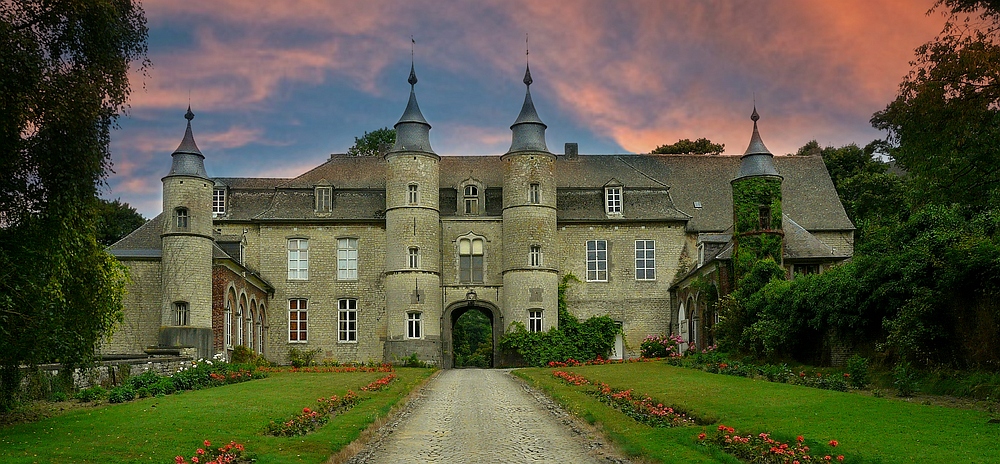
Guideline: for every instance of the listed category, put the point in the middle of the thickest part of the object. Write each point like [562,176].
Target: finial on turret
[754,116]
[527,68]
[189,115]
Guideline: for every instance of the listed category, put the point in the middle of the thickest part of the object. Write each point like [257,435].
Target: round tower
[530,255]
[186,239]
[413,240]
[757,232]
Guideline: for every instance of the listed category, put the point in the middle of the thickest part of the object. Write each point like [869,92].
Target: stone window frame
[181,313]
[594,256]
[535,320]
[472,239]
[414,325]
[261,327]
[181,218]
[807,268]
[413,194]
[347,320]
[219,201]
[227,327]
[413,257]
[646,262]
[347,258]
[324,198]
[298,327]
[298,257]
[534,193]
[477,197]
[535,256]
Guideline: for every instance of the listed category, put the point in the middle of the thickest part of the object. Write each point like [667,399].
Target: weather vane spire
[527,67]
[413,74]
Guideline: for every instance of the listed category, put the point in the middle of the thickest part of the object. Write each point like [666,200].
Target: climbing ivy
[573,339]
[752,242]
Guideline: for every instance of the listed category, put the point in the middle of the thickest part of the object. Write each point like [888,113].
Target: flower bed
[331,369]
[643,409]
[311,419]
[202,374]
[231,453]
[596,362]
[717,363]
[762,449]
[379,384]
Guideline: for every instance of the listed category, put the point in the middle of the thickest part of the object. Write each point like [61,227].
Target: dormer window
[219,202]
[181,218]
[471,198]
[324,199]
[613,200]
[412,194]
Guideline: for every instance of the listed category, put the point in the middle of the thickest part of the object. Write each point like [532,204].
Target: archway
[450,317]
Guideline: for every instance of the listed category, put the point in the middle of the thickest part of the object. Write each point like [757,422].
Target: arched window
[260,329]
[228,327]
[470,264]
[471,199]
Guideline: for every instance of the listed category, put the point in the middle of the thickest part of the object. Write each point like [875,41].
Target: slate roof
[656,187]
[143,242]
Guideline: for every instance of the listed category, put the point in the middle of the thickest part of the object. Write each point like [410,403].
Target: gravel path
[484,416]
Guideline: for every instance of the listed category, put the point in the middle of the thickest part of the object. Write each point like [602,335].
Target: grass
[157,429]
[869,429]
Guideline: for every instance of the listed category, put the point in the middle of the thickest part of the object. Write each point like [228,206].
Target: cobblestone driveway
[483,416]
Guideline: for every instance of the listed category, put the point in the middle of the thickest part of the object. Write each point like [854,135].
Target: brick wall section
[642,306]
[224,280]
[142,314]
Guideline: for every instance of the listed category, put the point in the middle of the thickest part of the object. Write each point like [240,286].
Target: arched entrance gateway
[455,311]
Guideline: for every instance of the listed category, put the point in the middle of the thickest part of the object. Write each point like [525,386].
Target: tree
[374,143]
[115,220]
[700,146]
[65,81]
[944,125]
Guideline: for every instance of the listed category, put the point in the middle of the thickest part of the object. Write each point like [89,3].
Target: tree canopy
[65,81]
[115,220]
[374,143]
[700,146]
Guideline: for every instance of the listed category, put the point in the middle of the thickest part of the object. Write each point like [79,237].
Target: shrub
[414,361]
[904,379]
[91,394]
[59,396]
[121,394]
[302,358]
[657,346]
[857,368]
[242,355]
[144,380]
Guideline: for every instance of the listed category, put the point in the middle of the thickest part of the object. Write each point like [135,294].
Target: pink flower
[179,460]
[201,451]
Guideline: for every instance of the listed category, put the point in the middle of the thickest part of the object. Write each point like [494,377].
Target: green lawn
[869,429]
[157,429]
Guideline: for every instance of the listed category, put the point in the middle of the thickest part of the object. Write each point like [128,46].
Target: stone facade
[375,258]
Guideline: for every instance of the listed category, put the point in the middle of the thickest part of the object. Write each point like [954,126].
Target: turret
[530,276]
[756,206]
[186,242]
[413,240]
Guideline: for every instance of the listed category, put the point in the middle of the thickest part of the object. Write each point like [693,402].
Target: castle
[376,258]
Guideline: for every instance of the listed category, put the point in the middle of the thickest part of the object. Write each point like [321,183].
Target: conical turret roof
[412,130]
[187,158]
[528,130]
[757,160]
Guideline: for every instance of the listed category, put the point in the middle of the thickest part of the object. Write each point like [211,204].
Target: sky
[278,86]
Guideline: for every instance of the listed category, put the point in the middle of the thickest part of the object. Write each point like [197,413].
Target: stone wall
[111,373]
[142,313]
[641,306]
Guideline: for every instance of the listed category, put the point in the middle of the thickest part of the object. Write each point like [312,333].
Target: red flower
[800,439]
[179,460]
[701,436]
[840,458]
[201,451]
[827,458]
[207,443]
[834,443]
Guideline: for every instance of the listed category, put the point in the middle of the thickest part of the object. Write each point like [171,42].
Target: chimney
[572,150]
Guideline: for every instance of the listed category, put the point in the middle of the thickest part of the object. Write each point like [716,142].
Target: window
[470,254]
[645,260]
[347,259]
[218,202]
[535,321]
[412,194]
[413,325]
[535,256]
[298,259]
[347,330]
[413,257]
[597,260]
[228,317]
[613,200]
[297,321]
[807,269]
[765,218]
[324,199]
[181,313]
[471,199]
[181,214]
[533,196]
[239,327]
